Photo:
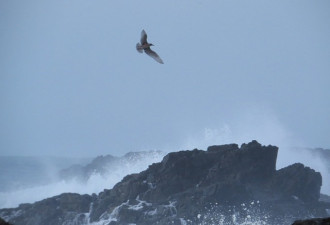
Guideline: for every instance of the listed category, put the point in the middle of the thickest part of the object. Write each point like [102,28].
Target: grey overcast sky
[73,84]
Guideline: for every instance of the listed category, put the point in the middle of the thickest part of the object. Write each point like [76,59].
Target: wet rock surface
[2,222]
[226,184]
[316,221]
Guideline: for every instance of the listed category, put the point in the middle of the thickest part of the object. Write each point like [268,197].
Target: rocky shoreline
[226,184]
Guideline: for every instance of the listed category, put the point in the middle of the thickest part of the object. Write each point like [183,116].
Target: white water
[95,183]
[265,128]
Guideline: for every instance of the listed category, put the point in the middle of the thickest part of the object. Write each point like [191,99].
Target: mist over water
[95,183]
[265,128]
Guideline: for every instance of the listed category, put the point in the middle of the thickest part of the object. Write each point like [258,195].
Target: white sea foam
[246,214]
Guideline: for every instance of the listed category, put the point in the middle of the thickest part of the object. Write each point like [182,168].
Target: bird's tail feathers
[139,47]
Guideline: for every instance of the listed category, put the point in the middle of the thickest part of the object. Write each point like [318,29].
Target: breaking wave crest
[94,183]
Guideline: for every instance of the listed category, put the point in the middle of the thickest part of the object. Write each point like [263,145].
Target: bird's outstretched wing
[139,47]
[153,55]
[143,37]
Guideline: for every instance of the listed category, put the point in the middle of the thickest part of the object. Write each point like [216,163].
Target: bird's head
[151,44]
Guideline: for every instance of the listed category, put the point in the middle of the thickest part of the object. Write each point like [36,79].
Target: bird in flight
[144,45]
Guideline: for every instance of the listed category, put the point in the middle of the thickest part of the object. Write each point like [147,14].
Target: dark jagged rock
[2,222]
[223,185]
[316,221]
[319,155]
[51,211]
[297,180]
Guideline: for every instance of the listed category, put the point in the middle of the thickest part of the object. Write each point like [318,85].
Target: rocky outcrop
[317,221]
[2,222]
[299,181]
[320,158]
[226,184]
[51,211]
